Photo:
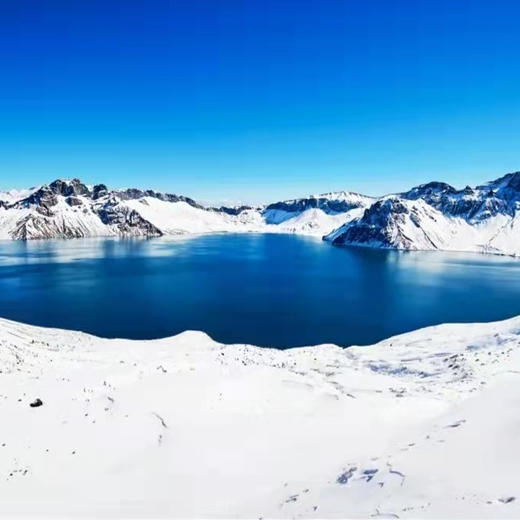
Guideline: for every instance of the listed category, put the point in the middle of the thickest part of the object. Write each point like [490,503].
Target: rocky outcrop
[127,221]
[380,224]
[99,191]
[69,188]
[232,210]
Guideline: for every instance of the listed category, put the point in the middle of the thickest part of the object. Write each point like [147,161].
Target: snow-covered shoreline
[422,425]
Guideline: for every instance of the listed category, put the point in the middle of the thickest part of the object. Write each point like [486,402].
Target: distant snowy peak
[509,181]
[334,202]
[348,196]
[8,197]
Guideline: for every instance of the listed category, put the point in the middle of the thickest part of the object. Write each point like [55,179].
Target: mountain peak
[68,187]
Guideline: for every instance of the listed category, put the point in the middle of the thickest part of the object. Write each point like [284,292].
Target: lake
[269,290]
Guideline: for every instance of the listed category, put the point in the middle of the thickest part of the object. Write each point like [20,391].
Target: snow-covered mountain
[430,216]
[437,216]
[422,425]
[71,209]
[313,214]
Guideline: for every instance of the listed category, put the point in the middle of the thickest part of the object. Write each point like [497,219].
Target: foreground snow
[422,425]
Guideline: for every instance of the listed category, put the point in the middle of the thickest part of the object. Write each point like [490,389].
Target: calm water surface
[269,290]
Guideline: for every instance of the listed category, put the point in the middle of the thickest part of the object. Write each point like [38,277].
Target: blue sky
[259,100]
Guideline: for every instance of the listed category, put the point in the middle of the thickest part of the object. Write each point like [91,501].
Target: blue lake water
[269,290]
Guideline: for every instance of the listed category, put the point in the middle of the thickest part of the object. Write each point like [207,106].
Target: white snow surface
[422,425]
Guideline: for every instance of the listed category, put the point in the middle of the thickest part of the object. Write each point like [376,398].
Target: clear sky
[259,100]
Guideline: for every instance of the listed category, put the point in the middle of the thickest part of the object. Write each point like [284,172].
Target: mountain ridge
[430,216]
[68,208]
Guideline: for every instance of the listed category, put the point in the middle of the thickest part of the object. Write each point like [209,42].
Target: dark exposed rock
[68,188]
[73,201]
[99,191]
[232,211]
[127,221]
[43,197]
[45,211]
[36,403]
[376,224]
[346,476]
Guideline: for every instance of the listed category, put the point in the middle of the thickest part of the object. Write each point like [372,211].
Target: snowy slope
[312,221]
[9,218]
[179,217]
[422,425]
